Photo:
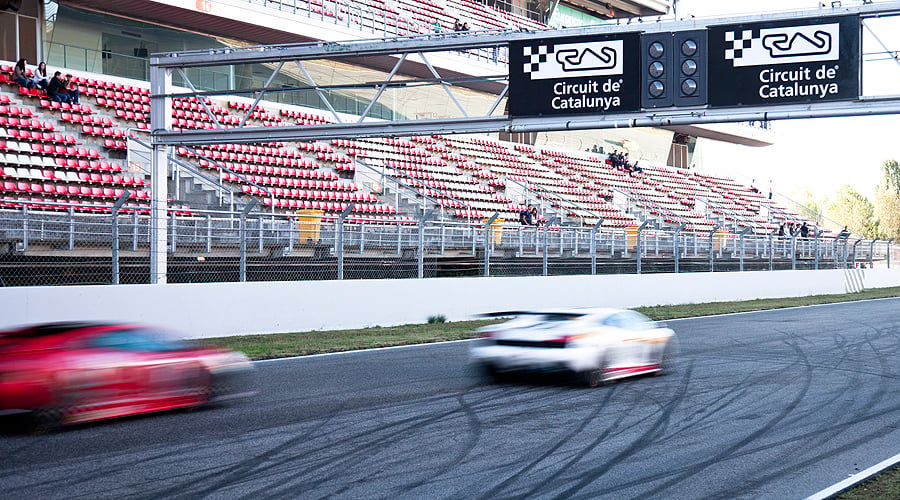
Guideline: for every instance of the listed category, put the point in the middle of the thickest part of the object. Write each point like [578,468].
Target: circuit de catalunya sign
[784,62]
[597,74]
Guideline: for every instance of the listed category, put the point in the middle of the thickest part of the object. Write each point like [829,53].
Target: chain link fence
[53,244]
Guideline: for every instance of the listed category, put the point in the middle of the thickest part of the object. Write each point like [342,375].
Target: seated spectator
[72,89]
[845,233]
[56,89]
[533,219]
[20,74]
[804,230]
[524,216]
[636,168]
[40,78]
[464,27]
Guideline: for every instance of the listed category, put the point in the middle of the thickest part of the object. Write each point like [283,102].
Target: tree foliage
[887,201]
[891,170]
[856,211]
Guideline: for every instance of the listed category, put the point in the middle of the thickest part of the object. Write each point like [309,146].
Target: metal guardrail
[46,243]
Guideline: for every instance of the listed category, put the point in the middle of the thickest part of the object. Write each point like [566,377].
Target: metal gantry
[427,49]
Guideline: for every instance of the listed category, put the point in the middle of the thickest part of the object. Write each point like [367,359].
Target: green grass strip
[279,345]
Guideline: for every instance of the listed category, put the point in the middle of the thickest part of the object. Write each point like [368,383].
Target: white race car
[597,345]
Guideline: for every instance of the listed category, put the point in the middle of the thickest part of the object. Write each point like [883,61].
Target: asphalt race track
[777,404]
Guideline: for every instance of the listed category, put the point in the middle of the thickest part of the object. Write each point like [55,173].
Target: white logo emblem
[573,59]
[791,44]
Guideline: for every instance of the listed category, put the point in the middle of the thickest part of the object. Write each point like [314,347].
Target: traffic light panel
[690,58]
[657,70]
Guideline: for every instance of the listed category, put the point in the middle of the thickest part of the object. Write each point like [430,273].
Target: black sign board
[575,75]
[784,62]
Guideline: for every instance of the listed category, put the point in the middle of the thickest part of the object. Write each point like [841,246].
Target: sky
[818,155]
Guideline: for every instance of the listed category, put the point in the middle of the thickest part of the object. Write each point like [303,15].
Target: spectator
[753,188]
[72,89]
[525,216]
[456,25]
[770,189]
[40,79]
[533,220]
[804,230]
[20,74]
[845,233]
[636,168]
[56,89]
[464,27]
[781,229]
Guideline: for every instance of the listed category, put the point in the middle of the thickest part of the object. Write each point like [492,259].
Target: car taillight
[568,338]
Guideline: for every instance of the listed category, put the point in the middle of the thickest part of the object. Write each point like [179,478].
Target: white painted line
[307,356]
[469,340]
[855,479]
[778,309]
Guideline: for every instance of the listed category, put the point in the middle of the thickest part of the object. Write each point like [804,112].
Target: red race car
[64,373]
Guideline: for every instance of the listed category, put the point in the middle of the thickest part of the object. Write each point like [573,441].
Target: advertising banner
[575,75]
[784,62]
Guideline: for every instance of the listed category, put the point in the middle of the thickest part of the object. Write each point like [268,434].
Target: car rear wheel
[667,358]
[592,377]
[489,372]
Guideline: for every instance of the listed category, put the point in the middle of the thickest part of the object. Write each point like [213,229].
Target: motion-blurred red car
[63,373]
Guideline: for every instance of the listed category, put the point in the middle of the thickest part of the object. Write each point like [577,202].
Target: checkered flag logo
[737,42]
[535,57]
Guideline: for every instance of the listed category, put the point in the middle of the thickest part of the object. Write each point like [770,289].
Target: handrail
[650,204]
[414,189]
[556,195]
[736,217]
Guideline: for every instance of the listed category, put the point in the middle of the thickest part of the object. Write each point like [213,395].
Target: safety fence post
[243,269]
[594,246]
[115,234]
[339,240]
[421,249]
[487,244]
[546,242]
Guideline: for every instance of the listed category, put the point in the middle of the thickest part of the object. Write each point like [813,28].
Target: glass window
[143,340]
[629,320]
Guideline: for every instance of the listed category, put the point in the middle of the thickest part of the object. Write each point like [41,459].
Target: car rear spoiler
[503,314]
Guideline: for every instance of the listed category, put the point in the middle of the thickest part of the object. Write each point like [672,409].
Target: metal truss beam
[871,107]
[456,41]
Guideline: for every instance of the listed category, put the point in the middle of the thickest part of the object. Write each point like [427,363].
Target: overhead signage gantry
[763,67]
[752,68]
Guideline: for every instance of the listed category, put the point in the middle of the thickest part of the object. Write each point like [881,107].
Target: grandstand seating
[60,152]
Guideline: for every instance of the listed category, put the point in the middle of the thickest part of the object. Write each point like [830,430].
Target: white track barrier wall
[221,309]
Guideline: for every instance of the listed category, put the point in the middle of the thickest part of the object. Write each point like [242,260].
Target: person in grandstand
[845,233]
[804,230]
[19,74]
[526,216]
[533,220]
[56,89]
[72,89]
[40,78]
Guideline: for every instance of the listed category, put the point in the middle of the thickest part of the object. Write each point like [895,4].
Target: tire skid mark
[235,472]
[559,442]
[658,425]
[718,457]
[362,450]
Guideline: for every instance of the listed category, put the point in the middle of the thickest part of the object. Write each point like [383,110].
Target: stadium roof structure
[623,8]
[408,47]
